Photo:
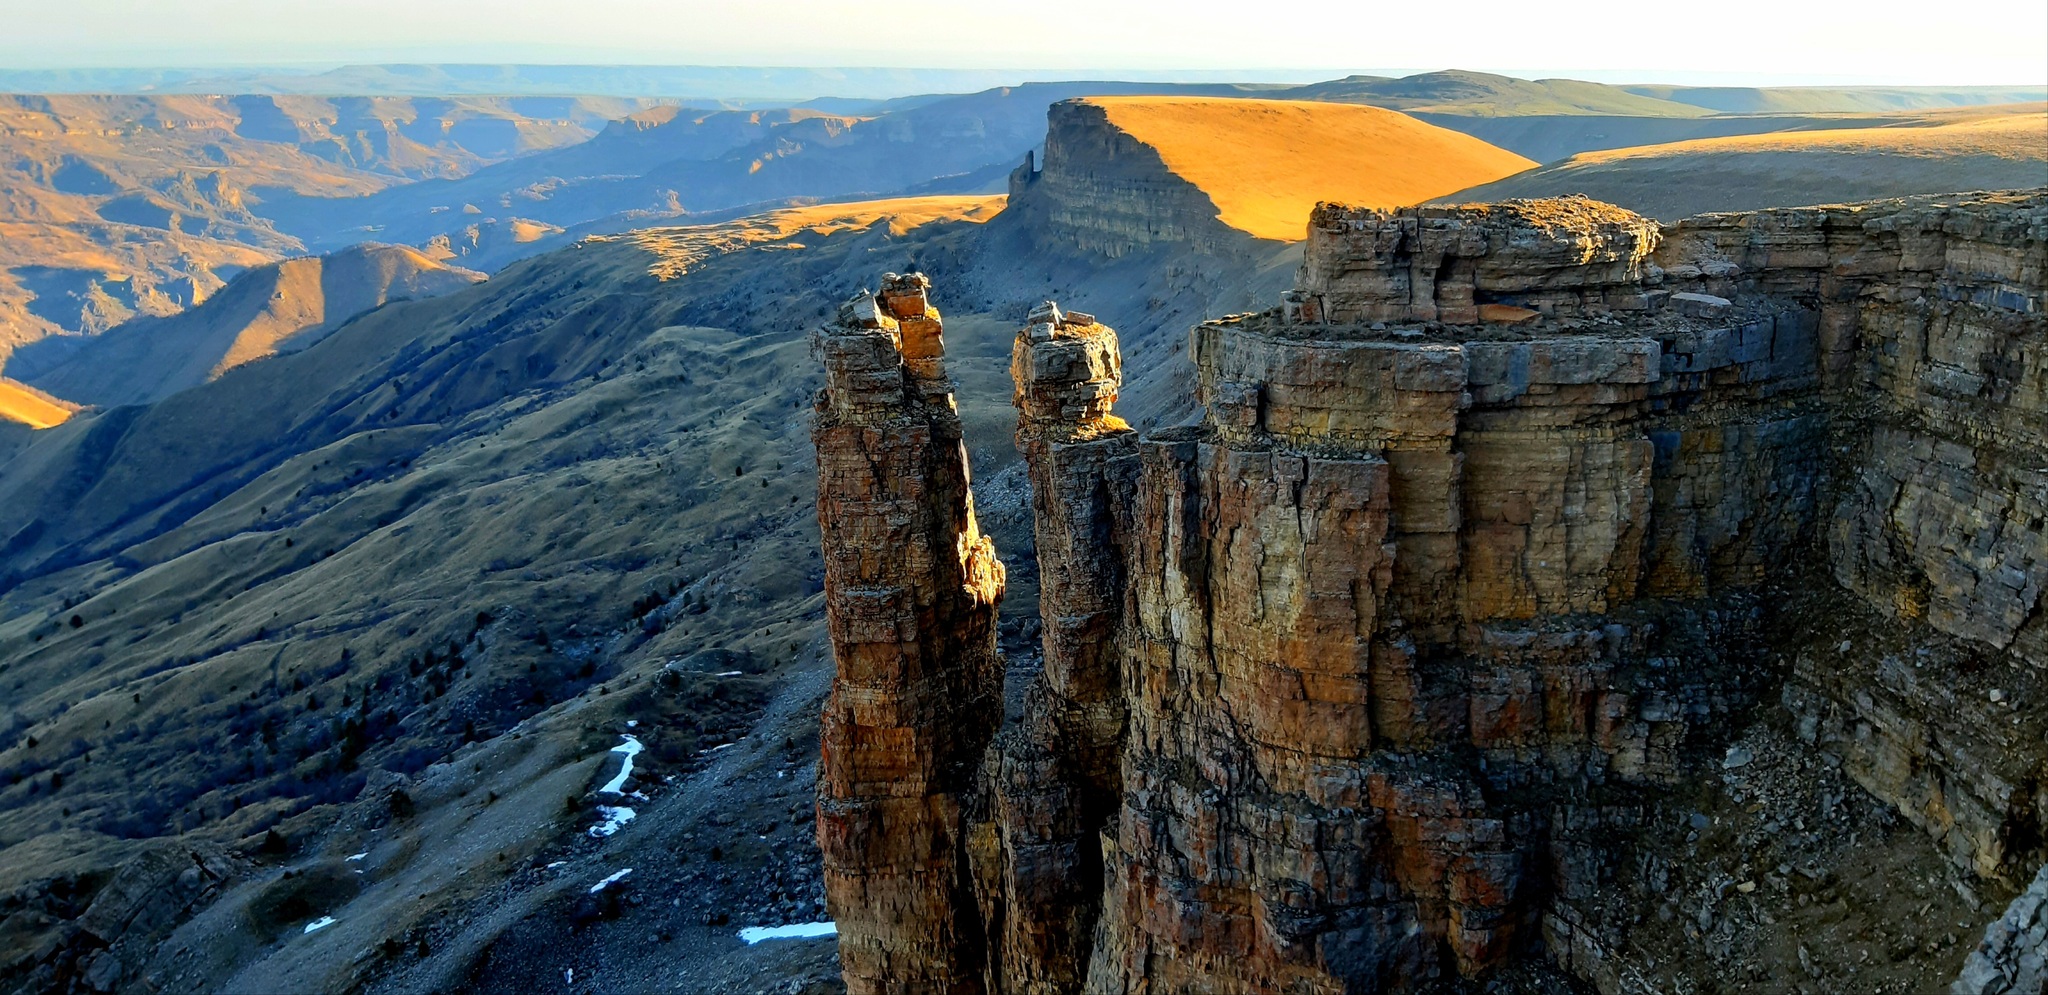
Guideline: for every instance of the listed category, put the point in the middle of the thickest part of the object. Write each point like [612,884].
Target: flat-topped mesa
[1565,256]
[911,588]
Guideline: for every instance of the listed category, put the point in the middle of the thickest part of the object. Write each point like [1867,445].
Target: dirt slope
[1935,152]
[1265,163]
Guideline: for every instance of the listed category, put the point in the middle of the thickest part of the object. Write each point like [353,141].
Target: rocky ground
[1778,874]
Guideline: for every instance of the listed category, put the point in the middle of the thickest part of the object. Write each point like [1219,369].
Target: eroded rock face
[1569,255]
[1930,335]
[1102,192]
[107,947]
[911,591]
[1480,547]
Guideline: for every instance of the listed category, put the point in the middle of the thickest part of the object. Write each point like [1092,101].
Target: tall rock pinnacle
[911,588]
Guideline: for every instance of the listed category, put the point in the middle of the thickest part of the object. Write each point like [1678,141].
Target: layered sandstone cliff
[1481,546]
[912,591]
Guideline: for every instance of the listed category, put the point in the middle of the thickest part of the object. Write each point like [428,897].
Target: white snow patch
[632,723]
[615,817]
[616,875]
[558,863]
[730,673]
[357,856]
[795,931]
[631,748]
[321,923]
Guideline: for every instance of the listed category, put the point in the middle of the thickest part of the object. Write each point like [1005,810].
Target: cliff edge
[1487,542]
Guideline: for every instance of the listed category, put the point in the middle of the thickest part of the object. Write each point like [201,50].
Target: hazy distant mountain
[118,206]
[736,83]
[1476,94]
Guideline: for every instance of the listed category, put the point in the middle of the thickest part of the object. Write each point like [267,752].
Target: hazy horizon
[1745,42]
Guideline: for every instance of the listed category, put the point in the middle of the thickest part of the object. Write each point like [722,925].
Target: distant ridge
[740,86]
[279,307]
[1823,99]
[1942,151]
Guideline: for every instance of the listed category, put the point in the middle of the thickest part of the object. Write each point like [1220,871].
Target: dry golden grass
[21,403]
[1945,151]
[2011,132]
[1267,162]
[317,291]
[677,249]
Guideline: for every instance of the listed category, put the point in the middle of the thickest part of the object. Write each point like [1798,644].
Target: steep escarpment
[1391,667]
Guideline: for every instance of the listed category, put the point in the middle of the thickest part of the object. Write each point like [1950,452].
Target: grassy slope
[1265,163]
[27,406]
[605,450]
[1936,152]
[260,313]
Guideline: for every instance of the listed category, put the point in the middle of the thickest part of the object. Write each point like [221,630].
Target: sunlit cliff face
[1335,678]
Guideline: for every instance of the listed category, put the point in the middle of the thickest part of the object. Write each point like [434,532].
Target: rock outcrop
[1482,544]
[105,948]
[2013,957]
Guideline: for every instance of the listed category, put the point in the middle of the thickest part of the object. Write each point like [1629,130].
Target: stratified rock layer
[911,591]
[1481,547]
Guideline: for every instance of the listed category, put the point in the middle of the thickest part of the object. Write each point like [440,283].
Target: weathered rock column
[1059,778]
[911,588]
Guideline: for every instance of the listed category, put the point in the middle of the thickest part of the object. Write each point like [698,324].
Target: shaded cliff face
[1486,543]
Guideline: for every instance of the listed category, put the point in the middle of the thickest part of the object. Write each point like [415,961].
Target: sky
[1729,41]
